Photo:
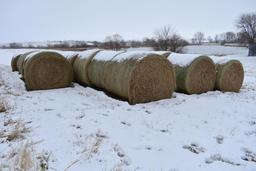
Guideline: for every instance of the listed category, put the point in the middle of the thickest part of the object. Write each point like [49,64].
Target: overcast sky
[40,20]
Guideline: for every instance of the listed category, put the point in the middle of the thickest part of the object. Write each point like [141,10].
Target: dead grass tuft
[17,131]
[25,158]
[3,105]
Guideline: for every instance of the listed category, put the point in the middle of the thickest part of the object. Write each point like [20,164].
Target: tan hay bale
[134,76]
[21,60]
[14,62]
[80,66]
[197,76]
[47,70]
[230,76]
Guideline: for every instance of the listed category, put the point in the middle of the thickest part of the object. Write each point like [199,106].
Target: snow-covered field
[79,128]
[216,50]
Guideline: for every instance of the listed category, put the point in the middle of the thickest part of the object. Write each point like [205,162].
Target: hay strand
[230,76]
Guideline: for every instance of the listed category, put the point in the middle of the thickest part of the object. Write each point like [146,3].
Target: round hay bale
[230,76]
[21,60]
[71,58]
[133,76]
[80,66]
[14,62]
[99,67]
[47,70]
[197,76]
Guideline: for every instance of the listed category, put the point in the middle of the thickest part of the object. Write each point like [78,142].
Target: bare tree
[114,42]
[198,38]
[167,39]
[149,42]
[230,37]
[247,25]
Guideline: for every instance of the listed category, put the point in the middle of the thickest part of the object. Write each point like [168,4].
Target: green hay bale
[80,66]
[14,62]
[230,76]
[133,76]
[99,67]
[197,77]
[45,70]
[71,58]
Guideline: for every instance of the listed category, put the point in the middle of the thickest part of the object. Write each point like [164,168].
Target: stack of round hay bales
[195,74]
[80,66]
[134,76]
[44,70]
[14,61]
[230,75]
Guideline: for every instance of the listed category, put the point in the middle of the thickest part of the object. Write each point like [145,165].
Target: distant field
[216,50]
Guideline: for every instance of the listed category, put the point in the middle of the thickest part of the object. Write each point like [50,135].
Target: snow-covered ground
[79,128]
[216,50]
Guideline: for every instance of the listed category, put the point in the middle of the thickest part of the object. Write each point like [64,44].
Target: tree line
[166,38]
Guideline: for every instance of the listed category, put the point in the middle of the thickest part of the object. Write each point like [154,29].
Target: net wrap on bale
[133,76]
[81,64]
[194,76]
[44,70]
[230,76]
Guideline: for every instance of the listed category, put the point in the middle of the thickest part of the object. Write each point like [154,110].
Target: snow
[140,49]
[216,50]
[182,59]
[107,55]
[84,129]
[87,53]
[135,55]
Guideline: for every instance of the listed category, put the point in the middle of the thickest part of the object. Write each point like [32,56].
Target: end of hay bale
[230,76]
[198,77]
[153,78]
[14,62]
[47,70]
